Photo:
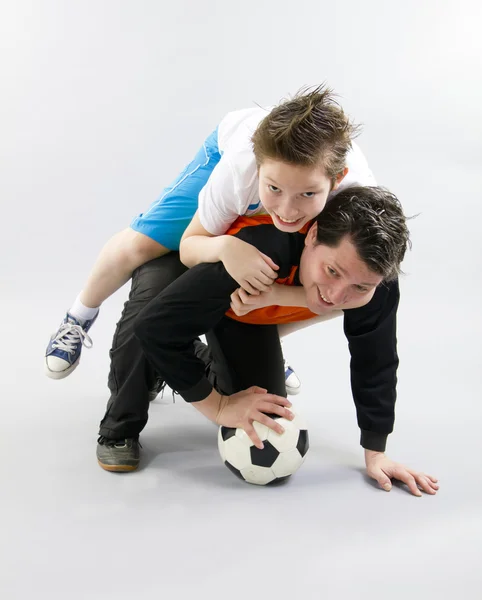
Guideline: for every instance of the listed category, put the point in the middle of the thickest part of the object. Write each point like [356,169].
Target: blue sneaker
[63,352]
[293,384]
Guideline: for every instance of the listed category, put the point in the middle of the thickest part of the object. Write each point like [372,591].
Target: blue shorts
[167,218]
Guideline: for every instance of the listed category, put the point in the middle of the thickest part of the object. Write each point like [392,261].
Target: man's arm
[192,305]
[372,340]
[169,325]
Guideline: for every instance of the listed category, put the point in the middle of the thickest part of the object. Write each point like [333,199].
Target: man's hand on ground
[383,469]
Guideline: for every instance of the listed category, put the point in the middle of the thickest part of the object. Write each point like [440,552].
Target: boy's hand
[253,270]
[382,469]
[243,303]
[242,409]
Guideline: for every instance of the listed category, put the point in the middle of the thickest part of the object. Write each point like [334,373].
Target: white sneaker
[293,384]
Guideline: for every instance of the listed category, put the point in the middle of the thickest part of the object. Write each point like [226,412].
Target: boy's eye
[308,194]
[273,188]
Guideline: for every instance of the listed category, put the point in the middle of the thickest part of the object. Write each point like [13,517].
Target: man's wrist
[370,440]
[212,406]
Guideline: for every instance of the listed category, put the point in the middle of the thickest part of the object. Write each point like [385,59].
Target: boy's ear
[340,177]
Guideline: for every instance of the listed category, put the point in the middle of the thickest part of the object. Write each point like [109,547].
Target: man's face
[293,195]
[335,278]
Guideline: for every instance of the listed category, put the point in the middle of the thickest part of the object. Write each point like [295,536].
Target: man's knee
[153,277]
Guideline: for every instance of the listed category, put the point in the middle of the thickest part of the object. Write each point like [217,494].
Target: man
[348,260]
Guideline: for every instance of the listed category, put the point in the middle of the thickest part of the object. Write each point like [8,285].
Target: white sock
[82,312]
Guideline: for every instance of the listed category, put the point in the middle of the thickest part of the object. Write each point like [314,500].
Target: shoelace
[69,335]
[117,443]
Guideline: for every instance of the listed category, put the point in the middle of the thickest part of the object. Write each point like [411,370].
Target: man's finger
[426,485]
[409,480]
[276,409]
[383,481]
[253,436]
[281,400]
[257,390]
[269,422]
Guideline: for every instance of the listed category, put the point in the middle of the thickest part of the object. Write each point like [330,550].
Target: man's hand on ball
[242,409]
[383,469]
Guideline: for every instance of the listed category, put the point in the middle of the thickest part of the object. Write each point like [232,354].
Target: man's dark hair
[373,219]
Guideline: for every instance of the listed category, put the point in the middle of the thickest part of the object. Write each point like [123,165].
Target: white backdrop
[102,103]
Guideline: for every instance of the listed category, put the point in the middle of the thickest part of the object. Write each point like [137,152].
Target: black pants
[240,355]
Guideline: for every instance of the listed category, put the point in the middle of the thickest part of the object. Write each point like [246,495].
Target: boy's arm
[198,245]
[372,341]
[218,207]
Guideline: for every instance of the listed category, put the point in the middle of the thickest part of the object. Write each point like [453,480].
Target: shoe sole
[117,468]
[293,391]
[60,374]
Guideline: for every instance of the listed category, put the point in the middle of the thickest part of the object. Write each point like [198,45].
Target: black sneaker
[118,455]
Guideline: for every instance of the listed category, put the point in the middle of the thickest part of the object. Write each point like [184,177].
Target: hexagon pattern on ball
[282,455]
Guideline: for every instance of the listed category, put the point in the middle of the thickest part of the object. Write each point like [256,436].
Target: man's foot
[293,384]
[118,455]
[63,352]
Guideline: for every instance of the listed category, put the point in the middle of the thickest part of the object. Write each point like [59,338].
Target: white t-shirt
[233,189]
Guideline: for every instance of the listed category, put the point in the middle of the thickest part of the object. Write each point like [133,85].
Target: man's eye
[308,194]
[273,188]
[331,271]
[361,289]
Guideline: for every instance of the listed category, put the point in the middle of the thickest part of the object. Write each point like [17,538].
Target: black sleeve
[191,306]
[372,341]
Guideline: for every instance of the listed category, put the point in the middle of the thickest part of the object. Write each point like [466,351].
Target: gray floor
[184,526]
[102,102]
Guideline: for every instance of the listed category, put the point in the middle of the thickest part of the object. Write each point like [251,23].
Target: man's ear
[310,238]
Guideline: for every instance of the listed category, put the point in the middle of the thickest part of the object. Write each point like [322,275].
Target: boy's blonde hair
[307,130]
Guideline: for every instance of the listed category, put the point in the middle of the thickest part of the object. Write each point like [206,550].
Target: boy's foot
[63,352]
[118,455]
[293,384]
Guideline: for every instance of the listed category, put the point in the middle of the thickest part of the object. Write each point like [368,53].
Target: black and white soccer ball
[282,455]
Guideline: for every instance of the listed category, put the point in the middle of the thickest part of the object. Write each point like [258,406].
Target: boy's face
[335,278]
[293,195]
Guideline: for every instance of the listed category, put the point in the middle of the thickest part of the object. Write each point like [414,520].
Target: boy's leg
[151,234]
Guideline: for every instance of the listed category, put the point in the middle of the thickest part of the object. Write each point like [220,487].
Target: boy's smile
[293,195]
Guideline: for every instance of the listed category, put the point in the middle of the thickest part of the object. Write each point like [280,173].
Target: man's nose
[338,294]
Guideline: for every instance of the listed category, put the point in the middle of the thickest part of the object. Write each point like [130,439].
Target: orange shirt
[270,315]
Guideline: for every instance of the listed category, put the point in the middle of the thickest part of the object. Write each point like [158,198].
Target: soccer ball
[282,455]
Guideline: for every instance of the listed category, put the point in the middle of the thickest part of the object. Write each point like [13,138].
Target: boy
[304,142]
[348,260]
